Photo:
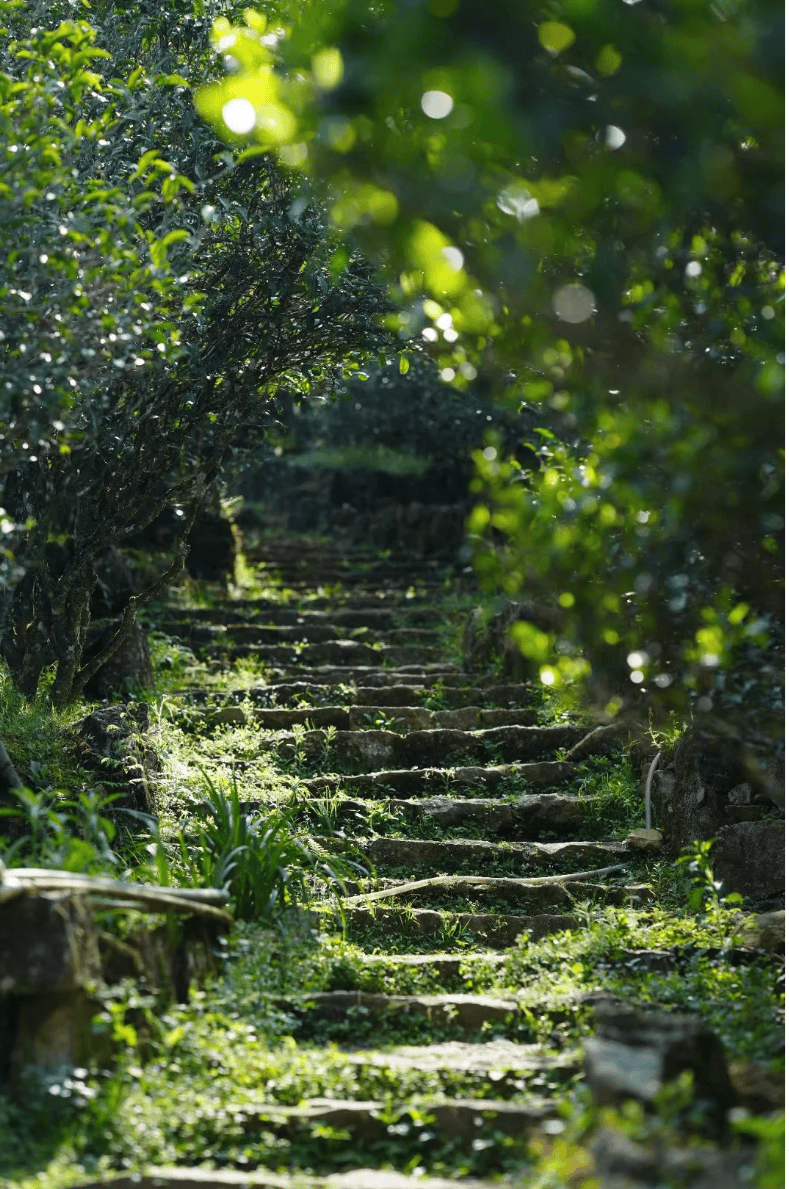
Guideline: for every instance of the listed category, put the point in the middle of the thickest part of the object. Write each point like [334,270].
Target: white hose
[648,794]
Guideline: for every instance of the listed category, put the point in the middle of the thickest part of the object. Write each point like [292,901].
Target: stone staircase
[464,803]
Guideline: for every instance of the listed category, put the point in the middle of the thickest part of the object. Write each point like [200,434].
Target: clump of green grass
[34,734]
[741,1002]
[612,802]
[267,865]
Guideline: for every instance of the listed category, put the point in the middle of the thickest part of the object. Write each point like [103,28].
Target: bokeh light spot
[239,115]
[437,104]
[453,257]
[614,137]
[574,303]
[517,200]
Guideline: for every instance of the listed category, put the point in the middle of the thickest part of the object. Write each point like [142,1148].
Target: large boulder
[713,780]
[634,1053]
[111,743]
[60,950]
[749,858]
[622,1163]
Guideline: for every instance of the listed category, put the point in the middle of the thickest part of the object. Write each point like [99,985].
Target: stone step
[310,559]
[331,652]
[503,696]
[526,818]
[467,1013]
[314,632]
[200,1178]
[355,559]
[317,568]
[382,696]
[445,856]
[439,747]
[443,967]
[372,1121]
[496,931]
[368,584]
[420,718]
[507,1060]
[526,897]
[239,611]
[417,782]
[321,683]
[355,718]
[370,675]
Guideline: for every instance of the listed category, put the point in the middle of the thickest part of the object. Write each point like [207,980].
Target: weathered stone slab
[749,858]
[423,781]
[768,932]
[497,932]
[198,1178]
[369,1121]
[519,694]
[525,818]
[415,718]
[49,958]
[420,718]
[468,1012]
[369,674]
[501,1057]
[47,944]
[634,1053]
[310,633]
[439,747]
[446,854]
[537,898]
[336,652]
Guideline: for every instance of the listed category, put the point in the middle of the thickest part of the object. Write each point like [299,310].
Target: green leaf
[555,37]
[608,61]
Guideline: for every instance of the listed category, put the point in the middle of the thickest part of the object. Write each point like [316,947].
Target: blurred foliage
[585,199]
[412,411]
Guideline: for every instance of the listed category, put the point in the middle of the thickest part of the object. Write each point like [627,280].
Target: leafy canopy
[585,198]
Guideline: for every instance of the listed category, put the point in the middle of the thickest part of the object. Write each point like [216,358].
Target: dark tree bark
[9,777]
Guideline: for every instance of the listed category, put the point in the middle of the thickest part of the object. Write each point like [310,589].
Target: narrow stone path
[456,793]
